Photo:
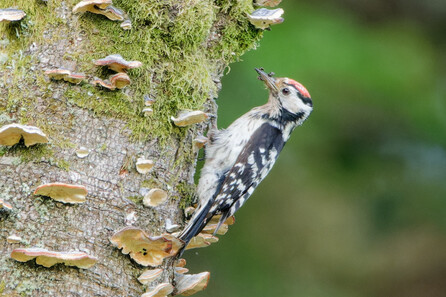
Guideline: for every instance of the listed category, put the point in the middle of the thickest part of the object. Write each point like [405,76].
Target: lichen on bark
[184,45]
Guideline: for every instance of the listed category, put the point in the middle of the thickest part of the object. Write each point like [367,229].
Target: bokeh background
[356,204]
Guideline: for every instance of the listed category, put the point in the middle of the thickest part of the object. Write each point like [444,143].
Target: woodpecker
[239,158]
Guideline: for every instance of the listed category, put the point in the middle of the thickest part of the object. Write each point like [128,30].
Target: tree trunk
[184,46]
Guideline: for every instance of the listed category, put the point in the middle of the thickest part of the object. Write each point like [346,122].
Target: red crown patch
[299,87]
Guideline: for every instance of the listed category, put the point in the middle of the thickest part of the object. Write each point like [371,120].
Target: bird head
[291,96]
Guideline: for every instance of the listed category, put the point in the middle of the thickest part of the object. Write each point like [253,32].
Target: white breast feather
[222,154]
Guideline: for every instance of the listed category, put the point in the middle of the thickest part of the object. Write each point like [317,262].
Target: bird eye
[285,91]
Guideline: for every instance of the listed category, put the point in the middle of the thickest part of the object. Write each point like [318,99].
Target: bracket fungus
[188,211]
[91,5]
[61,192]
[75,78]
[149,276]
[11,134]
[162,290]
[103,83]
[112,13]
[229,221]
[147,111]
[201,240]
[155,197]
[145,250]
[170,227]
[143,165]
[269,3]
[262,18]
[5,205]
[189,284]
[130,218]
[213,223]
[14,239]
[11,15]
[181,270]
[126,25]
[57,74]
[177,244]
[120,80]
[211,229]
[49,258]
[82,152]
[181,263]
[200,141]
[186,118]
[66,75]
[148,101]
[103,7]
[117,63]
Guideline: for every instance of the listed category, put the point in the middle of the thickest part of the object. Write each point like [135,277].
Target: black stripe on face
[305,100]
[287,117]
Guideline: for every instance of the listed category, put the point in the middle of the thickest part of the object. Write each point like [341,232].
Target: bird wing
[253,164]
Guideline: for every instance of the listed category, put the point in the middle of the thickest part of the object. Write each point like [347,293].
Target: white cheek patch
[293,104]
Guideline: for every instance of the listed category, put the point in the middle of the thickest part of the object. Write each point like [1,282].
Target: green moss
[2,286]
[29,154]
[62,164]
[238,35]
[3,150]
[37,15]
[31,28]
[35,153]
[171,41]
[151,183]
[137,199]
[187,193]
[19,98]
[19,76]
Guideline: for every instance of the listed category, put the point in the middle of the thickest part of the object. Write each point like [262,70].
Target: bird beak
[268,79]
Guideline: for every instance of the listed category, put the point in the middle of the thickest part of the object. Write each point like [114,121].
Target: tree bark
[184,46]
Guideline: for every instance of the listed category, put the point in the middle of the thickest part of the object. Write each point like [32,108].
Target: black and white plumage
[239,158]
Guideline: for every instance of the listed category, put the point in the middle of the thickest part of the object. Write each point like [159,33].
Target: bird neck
[279,116]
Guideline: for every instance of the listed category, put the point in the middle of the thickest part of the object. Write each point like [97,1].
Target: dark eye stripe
[307,101]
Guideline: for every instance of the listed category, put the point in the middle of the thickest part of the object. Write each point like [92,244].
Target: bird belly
[222,154]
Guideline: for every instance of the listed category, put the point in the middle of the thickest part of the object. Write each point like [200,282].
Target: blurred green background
[356,204]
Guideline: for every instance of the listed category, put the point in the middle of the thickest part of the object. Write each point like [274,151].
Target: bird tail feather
[195,225]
